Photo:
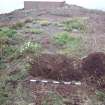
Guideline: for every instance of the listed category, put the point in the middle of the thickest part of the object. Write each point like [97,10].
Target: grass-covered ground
[23,41]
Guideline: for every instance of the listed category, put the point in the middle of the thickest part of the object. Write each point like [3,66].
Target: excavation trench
[56,67]
[62,68]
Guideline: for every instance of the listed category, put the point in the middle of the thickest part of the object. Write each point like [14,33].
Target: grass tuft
[6,32]
[18,25]
[43,22]
[30,47]
[64,38]
[36,31]
[74,24]
[100,95]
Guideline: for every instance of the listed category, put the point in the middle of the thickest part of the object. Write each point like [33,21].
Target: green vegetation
[64,38]
[2,64]
[22,72]
[58,24]
[24,95]
[36,31]
[6,32]
[18,25]
[6,35]
[69,44]
[14,54]
[9,50]
[73,52]
[100,95]
[34,22]
[8,83]
[30,47]
[19,76]
[27,26]
[70,25]
[43,22]
[3,94]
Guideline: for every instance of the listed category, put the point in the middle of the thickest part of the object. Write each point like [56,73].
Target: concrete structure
[42,5]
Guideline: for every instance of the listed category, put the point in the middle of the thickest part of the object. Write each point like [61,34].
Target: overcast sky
[10,5]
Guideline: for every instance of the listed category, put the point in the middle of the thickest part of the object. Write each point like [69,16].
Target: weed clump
[100,95]
[3,94]
[69,45]
[8,51]
[10,82]
[74,24]
[64,38]
[2,64]
[6,35]
[43,22]
[30,47]
[6,32]
[18,25]
[36,31]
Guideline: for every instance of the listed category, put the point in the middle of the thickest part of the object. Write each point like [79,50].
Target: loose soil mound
[56,67]
[94,64]
[93,68]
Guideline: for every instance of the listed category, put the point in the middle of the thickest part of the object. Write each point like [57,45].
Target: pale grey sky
[10,5]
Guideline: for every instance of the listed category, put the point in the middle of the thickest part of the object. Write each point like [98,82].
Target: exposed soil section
[56,67]
[94,64]
[94,69]
[62,68]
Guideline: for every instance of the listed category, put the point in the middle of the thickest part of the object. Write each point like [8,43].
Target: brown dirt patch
[94,64]
[56,67]
[93,67]
[62,68]
[90,71]
[71,94]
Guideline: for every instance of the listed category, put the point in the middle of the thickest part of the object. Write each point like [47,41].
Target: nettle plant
[30,47]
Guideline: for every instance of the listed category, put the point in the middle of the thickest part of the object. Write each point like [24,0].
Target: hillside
[52,57]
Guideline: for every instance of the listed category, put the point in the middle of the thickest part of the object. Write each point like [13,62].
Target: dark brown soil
[56,67]
[62,68]
[94,64]
[94,69]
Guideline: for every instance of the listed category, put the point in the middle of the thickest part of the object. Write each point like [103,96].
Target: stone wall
[42,5]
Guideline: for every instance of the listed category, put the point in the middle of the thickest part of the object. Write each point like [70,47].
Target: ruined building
[42,5]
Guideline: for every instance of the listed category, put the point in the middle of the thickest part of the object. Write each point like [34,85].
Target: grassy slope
[24,40]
